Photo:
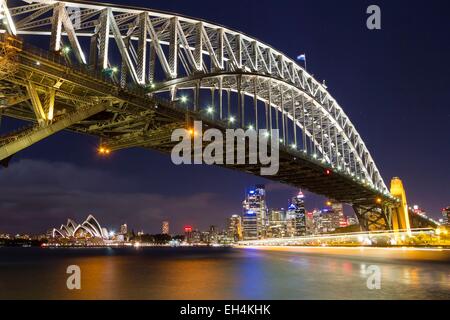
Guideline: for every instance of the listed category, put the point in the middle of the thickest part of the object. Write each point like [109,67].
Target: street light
[210,110]
[232,119]
[183,99]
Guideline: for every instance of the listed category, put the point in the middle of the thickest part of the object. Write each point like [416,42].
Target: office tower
[235,227]
[188,234]
[326,220]
[165,227]
[254,217]
[213,234]
[446,215]
[310,227]
[338,219]
[296,216]
[277,216]
[123,229]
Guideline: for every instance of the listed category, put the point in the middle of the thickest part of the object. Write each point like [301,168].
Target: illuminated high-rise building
[310,227]
[326,220]
[338,219]
[235,227]
[165,227]
[254,217]
[213,232]
[296,216]
[123,229]
[351,221]
[446,215]
[188,234]
[277,216]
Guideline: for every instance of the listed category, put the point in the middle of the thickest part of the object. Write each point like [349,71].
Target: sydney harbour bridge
[130,76]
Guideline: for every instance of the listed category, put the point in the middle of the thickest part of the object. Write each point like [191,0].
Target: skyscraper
[297,215]
[337,215]
[165,227]
[254,217]
[188,234]
[446,215]
[235,227]
[123,229]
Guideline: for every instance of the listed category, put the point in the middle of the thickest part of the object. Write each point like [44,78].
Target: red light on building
[188,229]
[328,172]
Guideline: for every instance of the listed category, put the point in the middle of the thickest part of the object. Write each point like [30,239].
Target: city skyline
[314,204]
[257,219]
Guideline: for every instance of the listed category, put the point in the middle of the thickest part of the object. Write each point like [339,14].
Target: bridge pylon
[400,214]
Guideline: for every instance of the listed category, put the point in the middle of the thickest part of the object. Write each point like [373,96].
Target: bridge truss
[132,75]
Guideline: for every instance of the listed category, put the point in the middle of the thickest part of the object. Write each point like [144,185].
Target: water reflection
[215,273]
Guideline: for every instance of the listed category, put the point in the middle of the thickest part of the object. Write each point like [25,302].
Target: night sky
[392,83]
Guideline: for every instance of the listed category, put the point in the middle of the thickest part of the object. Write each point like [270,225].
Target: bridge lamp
[250,127]
[192,132]
[183,99]
[281,141]
[66,49]
[210,110]
[379,200]
[293,146]
[266,134]
[315,155]
[231,119]
[104,151]
[114,69]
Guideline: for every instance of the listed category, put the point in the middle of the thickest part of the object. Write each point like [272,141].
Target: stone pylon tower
[400,215]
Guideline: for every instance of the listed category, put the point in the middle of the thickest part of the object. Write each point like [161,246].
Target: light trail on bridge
[414,237]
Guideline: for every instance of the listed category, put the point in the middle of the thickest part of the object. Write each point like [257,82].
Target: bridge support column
[373,218]
[400,215]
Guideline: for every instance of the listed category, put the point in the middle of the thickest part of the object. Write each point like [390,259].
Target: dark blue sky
[393,84]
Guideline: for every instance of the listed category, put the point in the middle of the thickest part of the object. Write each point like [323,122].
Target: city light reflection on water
[224,273]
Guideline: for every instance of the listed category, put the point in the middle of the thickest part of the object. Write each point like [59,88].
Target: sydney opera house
[90,229]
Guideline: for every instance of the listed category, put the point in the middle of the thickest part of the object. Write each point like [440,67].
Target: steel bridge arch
[170,52]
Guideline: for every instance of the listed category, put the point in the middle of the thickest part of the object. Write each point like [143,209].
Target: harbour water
[222,273]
